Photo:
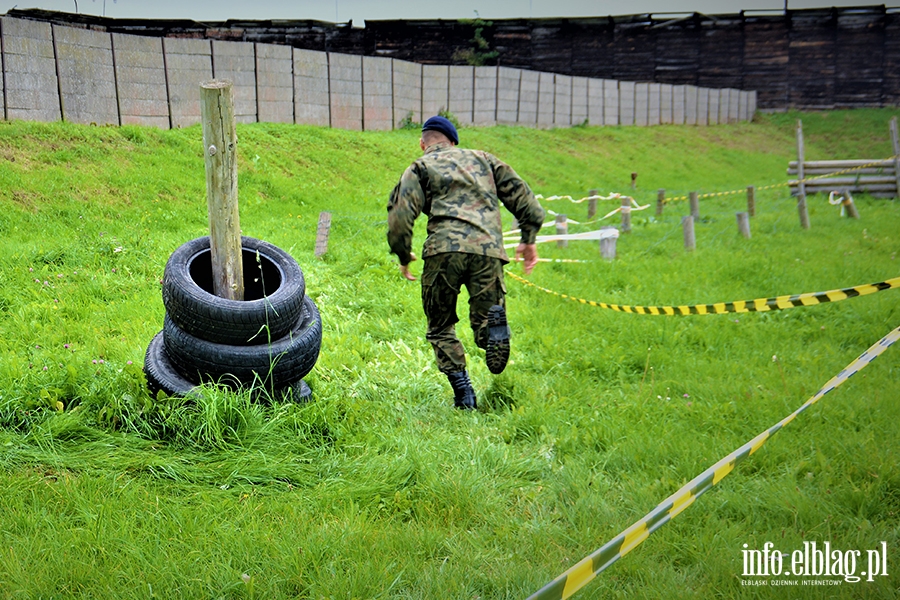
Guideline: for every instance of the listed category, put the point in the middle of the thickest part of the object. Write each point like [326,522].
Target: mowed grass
[378,488]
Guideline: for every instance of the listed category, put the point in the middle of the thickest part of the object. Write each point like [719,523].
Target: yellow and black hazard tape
[585,570]
[737,306]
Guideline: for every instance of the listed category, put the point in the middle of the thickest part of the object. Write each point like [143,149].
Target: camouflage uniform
[461,192]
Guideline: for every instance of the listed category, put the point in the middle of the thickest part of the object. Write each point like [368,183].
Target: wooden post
[626,215]
[687,225]
[895,144]
[848,204]
[562,228]
[695,205]
[743,223]
[608,245]
[592,204]
[801,187]
[660,201]
[322,232]
[220,145]
[751,200]
[633,180]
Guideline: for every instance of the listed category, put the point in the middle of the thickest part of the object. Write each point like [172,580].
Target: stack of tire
[267,342]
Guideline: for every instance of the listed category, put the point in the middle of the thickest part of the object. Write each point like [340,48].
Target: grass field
[378,488]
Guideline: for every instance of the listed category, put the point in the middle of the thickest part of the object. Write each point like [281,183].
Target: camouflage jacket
[461,191]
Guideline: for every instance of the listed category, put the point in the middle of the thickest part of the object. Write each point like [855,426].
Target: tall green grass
[378,488]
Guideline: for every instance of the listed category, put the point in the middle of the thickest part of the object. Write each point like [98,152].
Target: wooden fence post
[562,228]
[687,225]
[592,204]
[751,200]
[626,215]
[801,187]
[633,180]
[220,151]
[660,201]
[694,199]
[895,144]
[848,204]
[743,223]
[322,231]
[608,245]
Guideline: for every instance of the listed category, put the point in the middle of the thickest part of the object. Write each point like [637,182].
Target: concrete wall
[188,64]
[31,88]
[461,93]
[508,95]
[378,94]
[88,76]
[407,91]
[141,80]
[274,83]
[311,89]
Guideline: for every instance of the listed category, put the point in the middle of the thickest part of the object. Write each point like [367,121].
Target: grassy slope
[378,489]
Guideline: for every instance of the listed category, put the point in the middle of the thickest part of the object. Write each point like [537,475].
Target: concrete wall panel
[485,112]
[690,104]
[508,95]
[311,91]
[654,104]
[703,106]
[734,106]
[642,104]
[627,92]
[715,98]
[666,104]
[435,87]
[345,80]
[188,64]
[528,98]
[594,101]
[546,99]
[678,97]
[274,83]
[236,62]
[562,102]
[610,102]
[378,94]
[32,89]
[407,91]
[141,80]
[87,80]
[462,93]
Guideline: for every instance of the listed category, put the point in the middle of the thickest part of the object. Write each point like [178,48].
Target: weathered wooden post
[592,203]
[801,186]
[751,200]
[220,145]
[626,215]
[848,205]
[660,201]
[895,144]
[562,228]
[743,223]
[694,199]
[687,225]
[322,231]
[608,244]
[633,180]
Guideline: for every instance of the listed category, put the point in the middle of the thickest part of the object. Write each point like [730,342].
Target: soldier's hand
[404,269]
[528,254]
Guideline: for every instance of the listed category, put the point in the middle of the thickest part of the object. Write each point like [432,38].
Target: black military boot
[463,394]
[497,351]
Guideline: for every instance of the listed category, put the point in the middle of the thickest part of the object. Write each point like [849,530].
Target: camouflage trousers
[443,276]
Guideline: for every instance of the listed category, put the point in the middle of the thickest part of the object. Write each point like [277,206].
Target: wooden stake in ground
[220,145]
[626,215]
[660,201]
[608,245]
[694,200]
[592,204]
[743,223]
[895,144]
[751,200]
[687,225]
[562,228]
[322,232]
[801,186]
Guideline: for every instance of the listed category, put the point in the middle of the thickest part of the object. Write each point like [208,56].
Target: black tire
[161,375]
[274,288]
[274,365]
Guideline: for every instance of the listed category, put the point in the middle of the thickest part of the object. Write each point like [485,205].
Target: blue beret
[442,125]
